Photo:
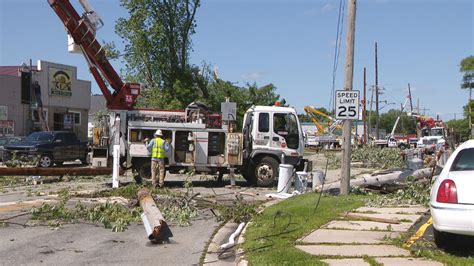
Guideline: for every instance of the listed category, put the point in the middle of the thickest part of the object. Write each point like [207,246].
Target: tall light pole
[348,80]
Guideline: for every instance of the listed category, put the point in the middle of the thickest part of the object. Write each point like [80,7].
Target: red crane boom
[83,34]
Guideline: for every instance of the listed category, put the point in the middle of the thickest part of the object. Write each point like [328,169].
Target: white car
[452,196]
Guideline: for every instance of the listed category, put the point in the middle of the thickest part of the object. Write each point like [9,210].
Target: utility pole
[469,110]
[364,107]
[348,80]
[409,95]
[370,112]
[377,120]
[418,106]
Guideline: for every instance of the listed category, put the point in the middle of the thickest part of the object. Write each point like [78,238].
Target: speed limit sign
[347,104]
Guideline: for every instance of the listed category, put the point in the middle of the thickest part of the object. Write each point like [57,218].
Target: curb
[222,235]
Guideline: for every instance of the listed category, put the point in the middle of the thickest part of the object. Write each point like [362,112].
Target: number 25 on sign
[347,104]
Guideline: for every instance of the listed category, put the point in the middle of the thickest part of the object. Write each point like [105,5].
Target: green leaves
[376,157]
[467,68]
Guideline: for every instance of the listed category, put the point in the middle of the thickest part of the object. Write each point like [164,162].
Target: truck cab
[271,134]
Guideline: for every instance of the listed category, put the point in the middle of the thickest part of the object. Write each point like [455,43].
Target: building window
[35,115]
[76,118]
[3,112]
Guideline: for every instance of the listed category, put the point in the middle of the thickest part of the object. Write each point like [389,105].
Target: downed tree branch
[368,218]
[55,171]
[378,180]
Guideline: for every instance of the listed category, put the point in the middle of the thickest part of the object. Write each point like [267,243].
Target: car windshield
[464,161]
[40,137]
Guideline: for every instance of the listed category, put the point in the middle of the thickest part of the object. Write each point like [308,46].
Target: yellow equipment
[322,129]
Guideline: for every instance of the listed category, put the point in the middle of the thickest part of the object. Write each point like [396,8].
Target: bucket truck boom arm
[82,30]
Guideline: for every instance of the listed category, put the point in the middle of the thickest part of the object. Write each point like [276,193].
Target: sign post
[347,104]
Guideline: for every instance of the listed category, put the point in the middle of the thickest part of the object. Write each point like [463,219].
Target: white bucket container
[301,182]
[318,178]
[284,178]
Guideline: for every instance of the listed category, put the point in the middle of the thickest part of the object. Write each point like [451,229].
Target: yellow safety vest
[158,150]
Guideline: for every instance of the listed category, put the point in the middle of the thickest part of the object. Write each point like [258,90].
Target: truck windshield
[437,132]
[286,125]
[40,137]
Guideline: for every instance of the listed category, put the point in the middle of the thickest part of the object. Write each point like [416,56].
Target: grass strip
[270,238]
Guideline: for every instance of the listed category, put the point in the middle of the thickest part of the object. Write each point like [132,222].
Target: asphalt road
[81,244]
[461,246]
[85,243]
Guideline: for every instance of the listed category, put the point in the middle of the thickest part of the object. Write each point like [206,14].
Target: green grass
[270,239]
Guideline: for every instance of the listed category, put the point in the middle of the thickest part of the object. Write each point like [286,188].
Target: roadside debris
[155,225]
[375,157]
[112,215]
[232,237]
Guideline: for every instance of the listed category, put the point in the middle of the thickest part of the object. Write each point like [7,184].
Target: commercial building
[64,100]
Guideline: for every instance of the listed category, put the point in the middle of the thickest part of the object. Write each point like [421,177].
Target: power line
[337,51]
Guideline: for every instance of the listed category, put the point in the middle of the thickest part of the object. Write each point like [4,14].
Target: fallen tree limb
[378,180]
[55,171]
[368,218]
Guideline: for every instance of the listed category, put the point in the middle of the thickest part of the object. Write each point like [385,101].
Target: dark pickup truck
[48,148]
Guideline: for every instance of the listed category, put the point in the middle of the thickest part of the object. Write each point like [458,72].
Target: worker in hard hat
[158,148]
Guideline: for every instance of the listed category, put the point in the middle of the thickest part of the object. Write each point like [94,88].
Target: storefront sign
[7,128]
[3,112]
[60,81]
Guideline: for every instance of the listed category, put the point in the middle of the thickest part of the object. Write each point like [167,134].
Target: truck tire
[144,169]
[402,146]
[264,172]
[45,161]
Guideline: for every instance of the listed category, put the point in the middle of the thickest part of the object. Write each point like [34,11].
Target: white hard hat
[158,133]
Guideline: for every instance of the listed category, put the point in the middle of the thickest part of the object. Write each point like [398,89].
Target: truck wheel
[265,171]
[144,170]
[45,161]
[402,146]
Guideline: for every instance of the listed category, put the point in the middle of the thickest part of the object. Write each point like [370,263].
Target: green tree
[459,129]
[406,125]
[244,97]
[157,37]
[467,68]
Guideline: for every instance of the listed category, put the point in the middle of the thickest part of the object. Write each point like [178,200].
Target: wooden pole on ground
[55,171]
[155,225]
[348,82]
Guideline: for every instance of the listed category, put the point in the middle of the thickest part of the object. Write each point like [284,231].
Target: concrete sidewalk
[345,242]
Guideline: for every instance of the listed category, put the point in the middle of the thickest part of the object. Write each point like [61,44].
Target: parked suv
[48,147]
[5,141]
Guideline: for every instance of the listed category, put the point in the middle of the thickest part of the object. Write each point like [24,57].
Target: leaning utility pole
[349,76]
[377,120]
[364,107]
[409,95]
